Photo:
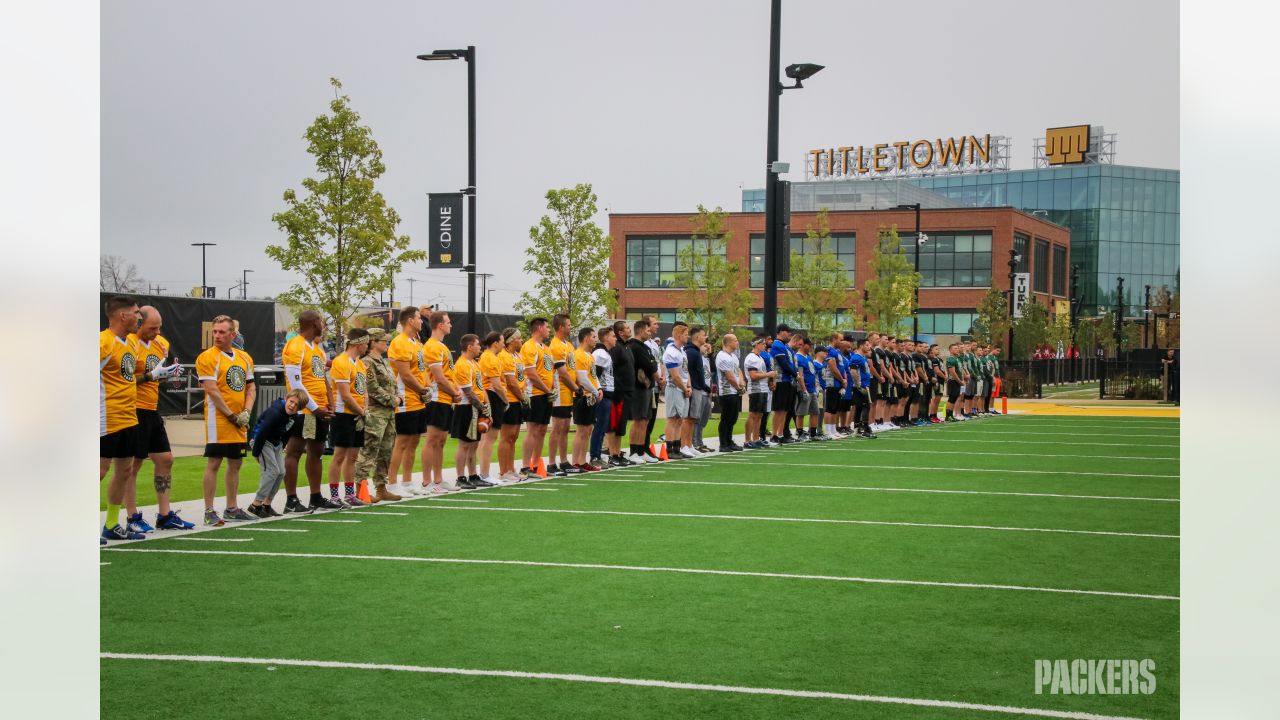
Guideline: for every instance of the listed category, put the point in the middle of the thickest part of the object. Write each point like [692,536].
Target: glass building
[1123,219]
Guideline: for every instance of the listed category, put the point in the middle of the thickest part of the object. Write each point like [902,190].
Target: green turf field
[919,575]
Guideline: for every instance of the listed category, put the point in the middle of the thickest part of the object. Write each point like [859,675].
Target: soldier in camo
[379,423]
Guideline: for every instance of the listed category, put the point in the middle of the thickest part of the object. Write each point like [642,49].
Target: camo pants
[379,436]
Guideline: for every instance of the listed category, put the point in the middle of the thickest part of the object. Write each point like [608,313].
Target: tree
[1165,328]
[115,274]
[819,283]
[992,324]
[341,236]
[713,295]
[569,259]
[1031,330]
[891,289]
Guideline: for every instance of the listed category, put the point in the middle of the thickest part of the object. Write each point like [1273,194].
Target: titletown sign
[966,153]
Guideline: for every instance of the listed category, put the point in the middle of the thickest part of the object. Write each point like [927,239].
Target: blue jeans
[603,408]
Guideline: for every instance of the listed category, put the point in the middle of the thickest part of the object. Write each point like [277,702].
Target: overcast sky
[659,105]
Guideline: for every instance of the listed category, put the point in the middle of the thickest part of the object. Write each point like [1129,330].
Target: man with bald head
[154,440]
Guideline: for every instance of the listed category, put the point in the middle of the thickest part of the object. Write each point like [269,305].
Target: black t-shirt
[644,360]
[922,362]
[624,368]
[878,358]
[935,365]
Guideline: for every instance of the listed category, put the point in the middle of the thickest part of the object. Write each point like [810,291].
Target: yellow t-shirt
[408,349]
[511,365]
[467,374]
[117,385]
[309,359]
[353,373]
[436,353]
[490,370]
[562,354]
[586,363]
[535,356]
[150,356]
[232,373]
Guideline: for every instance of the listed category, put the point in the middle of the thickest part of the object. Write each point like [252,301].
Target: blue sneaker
[173,522]
[138,525]
[119,533]
[104,541]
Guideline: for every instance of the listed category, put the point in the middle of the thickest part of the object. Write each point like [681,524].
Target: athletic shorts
[981,389]
[953,390]
[677,404]
[231,451]
[832,400]
[638,405]
[460,423]
[343,432]
[808,406]
[620,413]
[411,422]
[539,410]
[876,394]
[311,428]
[152,437]
[784,396]
[440,415]
[583,414]
[124,443]
[926,391]
[514,414]
[562,411]
[971,388]
[498,408]
[699,405]
[846,403]
[758,402]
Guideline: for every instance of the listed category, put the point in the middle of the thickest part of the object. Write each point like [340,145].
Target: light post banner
[1021,288]
[444,237]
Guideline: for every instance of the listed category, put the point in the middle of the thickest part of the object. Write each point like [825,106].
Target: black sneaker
[479,482]
[259,511]
[325,504]
[561,470]
[703,449]
[270,511]
[294,505]
[464,483]
[572,469]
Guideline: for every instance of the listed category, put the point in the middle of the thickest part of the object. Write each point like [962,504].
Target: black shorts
[152,437]
[124,443]
[758,402]
[343,432]
[231,451]
[875,391]
[784,395]
[846,403]
[460,423]
[638,405]
[618,414]
[926,391]
[562,411]
[439,416]
[498,408]
[296,429]
[833,400]
[540,410]
[513,415]
[583,414]
[411,422]
[953,390]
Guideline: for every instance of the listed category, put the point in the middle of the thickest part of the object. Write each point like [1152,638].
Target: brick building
[966,254]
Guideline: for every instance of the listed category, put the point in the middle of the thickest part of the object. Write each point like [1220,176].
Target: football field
[918,575]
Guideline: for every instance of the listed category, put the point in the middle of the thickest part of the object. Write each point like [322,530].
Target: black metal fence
[1131,380]
[1027,378]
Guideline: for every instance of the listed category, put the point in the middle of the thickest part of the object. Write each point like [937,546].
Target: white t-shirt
[675,358]
[755,362]
[604,368]
[727,366]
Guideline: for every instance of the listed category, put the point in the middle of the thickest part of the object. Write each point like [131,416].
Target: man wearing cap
[379,420]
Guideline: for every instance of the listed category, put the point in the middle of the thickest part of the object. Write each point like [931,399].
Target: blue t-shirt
[806,366]
[828,380]
[864,376]
[785,360]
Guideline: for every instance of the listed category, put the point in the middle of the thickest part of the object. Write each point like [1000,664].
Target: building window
[1040,279]
[954,260]
[947,322]
[666,316]
[1059,270]
[844,320]
[652,261]
[841,244]
[1022,246]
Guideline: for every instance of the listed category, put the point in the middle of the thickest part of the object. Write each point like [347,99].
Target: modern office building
[1123,219]
[966,254]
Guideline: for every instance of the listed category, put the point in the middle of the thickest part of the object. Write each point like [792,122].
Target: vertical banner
[1021,288]
[444,237]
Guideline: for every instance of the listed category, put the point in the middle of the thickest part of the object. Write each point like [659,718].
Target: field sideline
[919,575]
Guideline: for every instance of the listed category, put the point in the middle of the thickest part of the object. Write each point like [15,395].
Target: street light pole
[204,280]
[1119,333]
[770,177]
[244,284]
[484,292]
[1014,257]
[915,314]
[1146,317]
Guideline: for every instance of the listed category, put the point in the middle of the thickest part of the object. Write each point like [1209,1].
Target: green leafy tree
[891,289]
[819,284]
[1031,330]
[340,234]
[714,295]
[992,323]
[1166,329]
[569,261]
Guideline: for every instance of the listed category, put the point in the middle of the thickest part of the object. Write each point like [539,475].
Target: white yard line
[830,521]
[374,512]
[458,500]
[320,520]
[643,568]
[494,494]
[867,447]
[267,529]
[602,680]
[101,564]
[976,431]
[566,484]
[886,489]
[892,436]
[948,469]
[526,487]
[205,539]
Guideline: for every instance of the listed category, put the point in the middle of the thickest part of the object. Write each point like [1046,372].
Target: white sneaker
[411,489]
[511,477]
[638,459]
[687,452]
[448,485]
[697,453]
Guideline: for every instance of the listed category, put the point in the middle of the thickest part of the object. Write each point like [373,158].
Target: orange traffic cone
[362,493]
[540,468]
[660,450]
[1004,404]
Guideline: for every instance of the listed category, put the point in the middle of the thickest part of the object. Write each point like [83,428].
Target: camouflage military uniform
[379,423]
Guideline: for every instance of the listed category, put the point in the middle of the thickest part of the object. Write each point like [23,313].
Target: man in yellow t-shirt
[118,437]
[584,412]
[470,403]
[494,389]
[440,405]
[566,389]
[304,361]
[539,372]
[517,400]
[413,388]
[153,443]
[226,376]
[347,430]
